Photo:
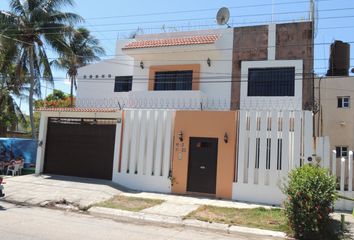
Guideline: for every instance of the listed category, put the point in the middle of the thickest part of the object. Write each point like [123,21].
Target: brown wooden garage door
[80,147]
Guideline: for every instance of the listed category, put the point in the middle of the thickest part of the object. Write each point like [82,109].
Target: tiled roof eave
[79,110]
[172,42]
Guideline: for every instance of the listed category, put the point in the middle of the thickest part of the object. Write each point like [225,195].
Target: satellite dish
[223,16]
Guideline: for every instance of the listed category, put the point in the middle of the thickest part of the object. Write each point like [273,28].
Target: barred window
[271,82]
[173,80]
[123,83]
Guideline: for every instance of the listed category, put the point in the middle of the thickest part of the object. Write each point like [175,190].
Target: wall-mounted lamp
[209,62]
[180,136]
[141,64]
[226,138]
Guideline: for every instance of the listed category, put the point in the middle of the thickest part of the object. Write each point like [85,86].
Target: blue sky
[110,19]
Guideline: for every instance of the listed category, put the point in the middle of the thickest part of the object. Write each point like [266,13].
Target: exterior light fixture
[226,138]
[342,159]
[141,64]
[350,153]
[209,62]
[180,136]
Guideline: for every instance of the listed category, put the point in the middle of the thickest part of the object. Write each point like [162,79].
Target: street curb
[160,220]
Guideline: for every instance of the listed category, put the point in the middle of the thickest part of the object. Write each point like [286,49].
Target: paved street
[27,223]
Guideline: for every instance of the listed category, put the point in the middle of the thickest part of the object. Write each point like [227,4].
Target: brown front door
[202,165]
[80,147]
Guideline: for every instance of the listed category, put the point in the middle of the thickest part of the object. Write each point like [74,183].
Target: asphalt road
[26,223]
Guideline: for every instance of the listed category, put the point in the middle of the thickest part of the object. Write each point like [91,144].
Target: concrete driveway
[45,189]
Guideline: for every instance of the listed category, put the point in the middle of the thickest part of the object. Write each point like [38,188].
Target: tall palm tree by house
[79,49]
[10,87]
[36,25]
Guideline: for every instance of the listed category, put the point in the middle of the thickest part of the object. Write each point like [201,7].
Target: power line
[205,10]
[197,19]
[195,26]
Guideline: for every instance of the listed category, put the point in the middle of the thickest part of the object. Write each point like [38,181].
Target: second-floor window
[343,102]
[341,151]
[173,80]
[123,83]
[271,82]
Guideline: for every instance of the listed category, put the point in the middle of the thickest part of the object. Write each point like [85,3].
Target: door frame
[213,140]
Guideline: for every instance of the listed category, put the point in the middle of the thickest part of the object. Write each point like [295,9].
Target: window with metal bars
[173,80]
[271,82]
[123,83]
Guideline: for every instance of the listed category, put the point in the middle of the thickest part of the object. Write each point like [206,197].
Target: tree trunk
[31,92]
[71,91]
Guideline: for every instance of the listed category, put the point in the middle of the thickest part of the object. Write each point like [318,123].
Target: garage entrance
[82,147]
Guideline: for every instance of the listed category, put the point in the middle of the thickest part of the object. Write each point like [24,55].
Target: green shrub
[311,193]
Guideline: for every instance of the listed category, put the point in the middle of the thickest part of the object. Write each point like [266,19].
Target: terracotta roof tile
[77,109]
[193,40]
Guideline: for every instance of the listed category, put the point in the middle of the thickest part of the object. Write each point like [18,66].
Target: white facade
[102,87]
[276,103]
[214,82]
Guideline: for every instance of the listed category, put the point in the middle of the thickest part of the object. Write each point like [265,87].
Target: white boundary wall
[146,150]
[270,144]
[344,167]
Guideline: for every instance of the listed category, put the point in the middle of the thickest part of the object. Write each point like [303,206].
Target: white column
[117,149]
[43,124]
[241,147]
[342,173]
[285,151]
[252,149]
[271,41]
[334,163]
[350,171]
[308,136]
[263,149]
[273,171]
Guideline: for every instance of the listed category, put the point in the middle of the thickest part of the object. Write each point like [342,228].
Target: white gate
[270,144]
[145,162]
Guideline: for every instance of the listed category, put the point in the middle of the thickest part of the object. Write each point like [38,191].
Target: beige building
[335,116]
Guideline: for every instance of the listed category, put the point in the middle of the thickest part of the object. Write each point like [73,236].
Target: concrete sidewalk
[44,189]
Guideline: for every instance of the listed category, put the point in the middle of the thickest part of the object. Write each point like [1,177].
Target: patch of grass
[129,203]
[269,219]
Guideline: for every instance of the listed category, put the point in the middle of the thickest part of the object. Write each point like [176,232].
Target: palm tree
[36,25]
[10,87]
[79,49]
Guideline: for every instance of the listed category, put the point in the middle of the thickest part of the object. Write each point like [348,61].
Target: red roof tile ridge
[76,109]
[175,41]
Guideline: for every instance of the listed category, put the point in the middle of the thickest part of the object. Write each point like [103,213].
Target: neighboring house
[268,66]
[335,118]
